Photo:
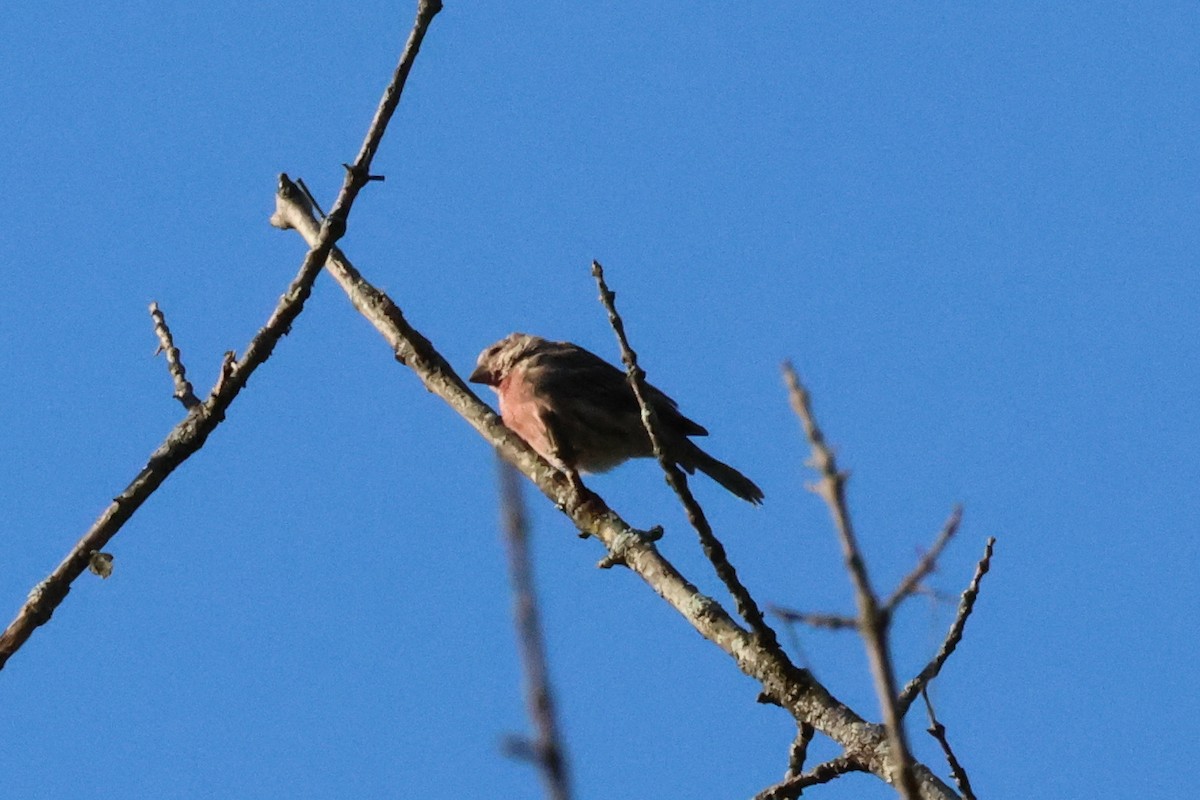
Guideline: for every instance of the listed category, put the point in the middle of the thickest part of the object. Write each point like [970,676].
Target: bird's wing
[572,374]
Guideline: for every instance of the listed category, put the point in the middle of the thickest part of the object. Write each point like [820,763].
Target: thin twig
[190,434]
[166,344]
[938,731]
[794,786]
[713,549]
[833,622]
[912,582]
[791,687]
[546,749]
[873,623]
[953,636]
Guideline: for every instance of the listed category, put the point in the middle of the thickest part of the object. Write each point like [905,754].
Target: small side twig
[833,622]
[713,549]
[938,731]
[872,621]
[912,582]
[166,344]
[792,787]
[954,636]
[545,750]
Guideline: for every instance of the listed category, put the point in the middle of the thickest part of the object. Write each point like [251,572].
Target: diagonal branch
[713,549]
[926,565]
[872,621]
[190,434]
[938,731]
[955,634]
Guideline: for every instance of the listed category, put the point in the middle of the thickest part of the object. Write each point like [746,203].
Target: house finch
[579,412]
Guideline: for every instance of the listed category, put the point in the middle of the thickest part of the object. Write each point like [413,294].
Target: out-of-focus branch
[546,749]
[190,434]
[872,621]
[953,636]
[790,687]
[713,549]
[938,731]
[166,344]
[833,622]
[912,582]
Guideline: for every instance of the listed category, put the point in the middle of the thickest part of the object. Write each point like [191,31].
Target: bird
[579,412]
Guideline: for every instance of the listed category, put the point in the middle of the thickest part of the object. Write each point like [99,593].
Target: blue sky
[973,230]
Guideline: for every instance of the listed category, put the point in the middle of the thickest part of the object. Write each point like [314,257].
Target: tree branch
[166,344]
[872,621]
[938,731]
[713,549]
[833,622]
[926,565]
[190,434]
[798,752]
[546,750]
[954,636]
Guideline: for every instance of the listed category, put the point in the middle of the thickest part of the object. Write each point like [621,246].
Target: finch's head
[495,362]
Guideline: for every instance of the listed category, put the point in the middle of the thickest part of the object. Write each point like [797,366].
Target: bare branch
[190,434]
[912,582]
[546,750]
[833,622]
[938,731]
[713,549]
[792,688]
[872,621]
[954,636]
[794,786]
[166,344]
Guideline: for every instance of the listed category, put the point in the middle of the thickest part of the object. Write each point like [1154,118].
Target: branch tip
[965,606]
[166,344]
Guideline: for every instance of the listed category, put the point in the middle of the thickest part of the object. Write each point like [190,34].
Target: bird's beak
[481,375]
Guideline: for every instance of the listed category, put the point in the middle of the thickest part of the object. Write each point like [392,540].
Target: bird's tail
[722,473]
